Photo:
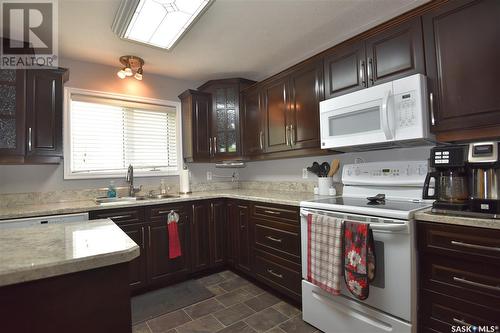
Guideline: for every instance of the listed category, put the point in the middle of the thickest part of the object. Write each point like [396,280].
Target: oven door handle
[374,226]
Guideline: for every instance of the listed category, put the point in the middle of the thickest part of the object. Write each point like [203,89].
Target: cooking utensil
[325,168]
[334,167]
[315,168]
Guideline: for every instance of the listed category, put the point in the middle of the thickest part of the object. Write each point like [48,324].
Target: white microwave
[392,114]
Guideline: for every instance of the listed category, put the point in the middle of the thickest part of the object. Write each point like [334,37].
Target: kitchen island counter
[37,252]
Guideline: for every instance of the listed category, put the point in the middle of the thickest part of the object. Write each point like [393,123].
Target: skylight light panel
[160,23]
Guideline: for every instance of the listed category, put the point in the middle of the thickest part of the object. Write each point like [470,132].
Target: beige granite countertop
[36,252]
[427,216]
[281,197]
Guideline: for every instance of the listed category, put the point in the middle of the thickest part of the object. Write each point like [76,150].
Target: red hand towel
[174,244]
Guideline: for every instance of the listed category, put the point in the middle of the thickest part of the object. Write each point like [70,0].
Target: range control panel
[385,173]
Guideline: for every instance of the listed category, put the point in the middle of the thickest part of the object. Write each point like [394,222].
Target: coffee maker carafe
[484,168]
[451,188]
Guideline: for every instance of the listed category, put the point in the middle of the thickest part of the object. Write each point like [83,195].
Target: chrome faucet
[130,180]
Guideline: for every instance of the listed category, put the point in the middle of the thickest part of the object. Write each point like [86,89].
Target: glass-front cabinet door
[225,121]
[12,113]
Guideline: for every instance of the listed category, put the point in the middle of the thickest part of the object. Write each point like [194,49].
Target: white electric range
[391,305]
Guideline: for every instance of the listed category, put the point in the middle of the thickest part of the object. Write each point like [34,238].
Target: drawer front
[121,215]
[287,214]
[462,242]
[439,313]
[277,275]
[473,282]
[280,240]
[160,211]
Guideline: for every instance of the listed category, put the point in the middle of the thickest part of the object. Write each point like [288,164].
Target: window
[105,133]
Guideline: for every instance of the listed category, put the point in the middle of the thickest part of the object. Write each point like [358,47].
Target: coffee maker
[465,179]
[448,184]
[484,167]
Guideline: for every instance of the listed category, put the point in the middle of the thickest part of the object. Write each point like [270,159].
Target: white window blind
[107,135]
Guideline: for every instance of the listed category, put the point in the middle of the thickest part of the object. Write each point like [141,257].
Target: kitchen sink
[105,201]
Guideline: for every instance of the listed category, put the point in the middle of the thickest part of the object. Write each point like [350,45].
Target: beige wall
[84,75]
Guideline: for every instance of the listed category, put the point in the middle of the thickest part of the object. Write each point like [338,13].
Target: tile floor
[237,307]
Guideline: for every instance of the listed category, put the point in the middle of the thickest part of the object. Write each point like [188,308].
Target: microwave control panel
[406,109]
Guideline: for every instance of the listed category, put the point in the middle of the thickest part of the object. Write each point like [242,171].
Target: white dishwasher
[52,219]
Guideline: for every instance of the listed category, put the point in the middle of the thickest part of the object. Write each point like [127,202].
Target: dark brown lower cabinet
[459,270]
[137,267]
[218,225]
[256,239]
[200,236]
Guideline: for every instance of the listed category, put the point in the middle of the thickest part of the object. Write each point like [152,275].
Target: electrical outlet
[209,175]
[305,173]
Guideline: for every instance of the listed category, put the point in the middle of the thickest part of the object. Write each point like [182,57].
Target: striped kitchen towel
[324,252]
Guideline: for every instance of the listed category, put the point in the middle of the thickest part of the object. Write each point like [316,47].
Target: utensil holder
[324,184]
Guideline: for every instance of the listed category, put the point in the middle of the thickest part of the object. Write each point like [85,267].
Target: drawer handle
[476,284]
[277,240]
[142,237]
[461,322]
[475,246]
[120,216]
[270,271]
[272,212]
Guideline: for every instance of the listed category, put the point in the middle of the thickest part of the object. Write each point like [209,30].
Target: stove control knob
[357,172]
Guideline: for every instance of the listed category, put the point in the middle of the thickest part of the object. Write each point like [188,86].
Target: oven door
[391,291]
[360,118]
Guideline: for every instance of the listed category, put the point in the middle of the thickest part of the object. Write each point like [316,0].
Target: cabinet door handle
[30,132]
[142,237]
[292,136]
[277,240]
[210,147]
[261,141]
[215,145]
[461,322]
[270,271]
[370,71]
[272,212]
[286,135]
[431,103]
[362,73]
[120,217]
[476,284]
[149,236]
[475,246]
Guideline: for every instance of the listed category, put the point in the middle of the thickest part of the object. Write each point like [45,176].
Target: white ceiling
[234,38]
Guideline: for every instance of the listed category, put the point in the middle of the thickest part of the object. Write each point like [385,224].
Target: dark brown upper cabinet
[306,91]
[12,114]
[195,126]
[290,107]
[345,70]
[462,48]
[224,120]
[31,115]
[274,94]
[44,113]
[253,127]
[388,55]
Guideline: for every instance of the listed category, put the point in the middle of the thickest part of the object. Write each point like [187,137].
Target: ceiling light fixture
[160,23]
[132,66]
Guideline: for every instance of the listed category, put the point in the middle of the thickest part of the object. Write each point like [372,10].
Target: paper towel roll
[184,186]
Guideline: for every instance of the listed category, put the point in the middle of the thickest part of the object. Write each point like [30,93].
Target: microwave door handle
[386,125]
